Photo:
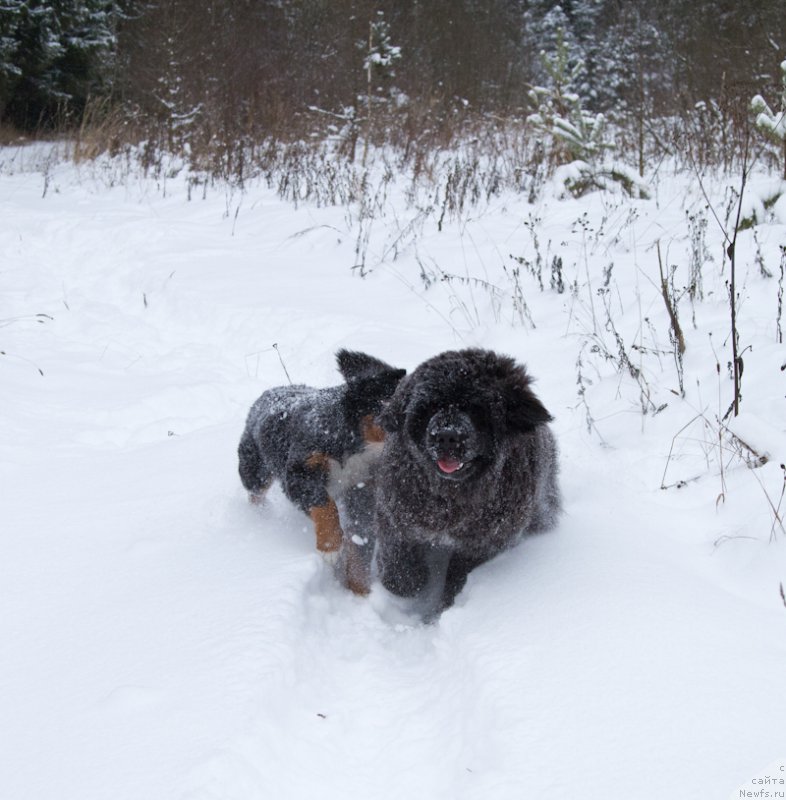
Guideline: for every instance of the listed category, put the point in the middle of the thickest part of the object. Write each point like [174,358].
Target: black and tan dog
[321,444]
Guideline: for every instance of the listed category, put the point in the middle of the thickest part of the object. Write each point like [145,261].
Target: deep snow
[161,638]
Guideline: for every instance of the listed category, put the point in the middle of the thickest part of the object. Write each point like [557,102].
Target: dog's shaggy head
[456,409]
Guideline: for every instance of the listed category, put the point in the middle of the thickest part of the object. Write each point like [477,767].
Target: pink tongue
[449,464]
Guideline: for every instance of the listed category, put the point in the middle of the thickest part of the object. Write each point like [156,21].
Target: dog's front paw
[405,579]
[330,557]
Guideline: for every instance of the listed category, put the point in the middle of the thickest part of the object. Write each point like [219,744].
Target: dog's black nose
[447,438]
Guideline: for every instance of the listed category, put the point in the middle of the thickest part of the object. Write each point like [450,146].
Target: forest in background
[227,84]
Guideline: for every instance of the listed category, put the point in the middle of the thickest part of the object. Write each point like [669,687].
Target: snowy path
[163,639]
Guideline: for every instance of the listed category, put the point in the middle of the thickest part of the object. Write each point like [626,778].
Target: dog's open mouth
[449,465]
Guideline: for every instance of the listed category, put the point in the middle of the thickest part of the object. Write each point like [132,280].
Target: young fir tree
[576,137]
[773,123]
[576,132]
[381,54]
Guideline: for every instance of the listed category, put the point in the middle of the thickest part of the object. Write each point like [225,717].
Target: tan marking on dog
[357,572]
[318,461]
[371,432]
[327,527]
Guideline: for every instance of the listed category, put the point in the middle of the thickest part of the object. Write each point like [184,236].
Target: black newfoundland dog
[469,466]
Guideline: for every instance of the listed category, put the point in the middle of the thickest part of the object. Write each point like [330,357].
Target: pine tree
[53,55]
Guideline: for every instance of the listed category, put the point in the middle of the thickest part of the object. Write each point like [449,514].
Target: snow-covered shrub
[580,177]
[773,123]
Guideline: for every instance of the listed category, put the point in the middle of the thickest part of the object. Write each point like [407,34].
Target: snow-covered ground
[163,639]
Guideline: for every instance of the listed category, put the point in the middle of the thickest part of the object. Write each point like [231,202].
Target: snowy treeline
[210,71]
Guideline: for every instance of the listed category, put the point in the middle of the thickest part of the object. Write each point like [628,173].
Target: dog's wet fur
[321,445]
[469,466]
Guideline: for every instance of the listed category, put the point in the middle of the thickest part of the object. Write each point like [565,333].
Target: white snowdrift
[163,639]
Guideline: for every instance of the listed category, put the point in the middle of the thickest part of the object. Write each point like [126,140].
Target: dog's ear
[523,411]
[394,411]
[354,364]
[366,395]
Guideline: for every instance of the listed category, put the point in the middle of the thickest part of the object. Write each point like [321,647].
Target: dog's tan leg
[327,528]
[357,569]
